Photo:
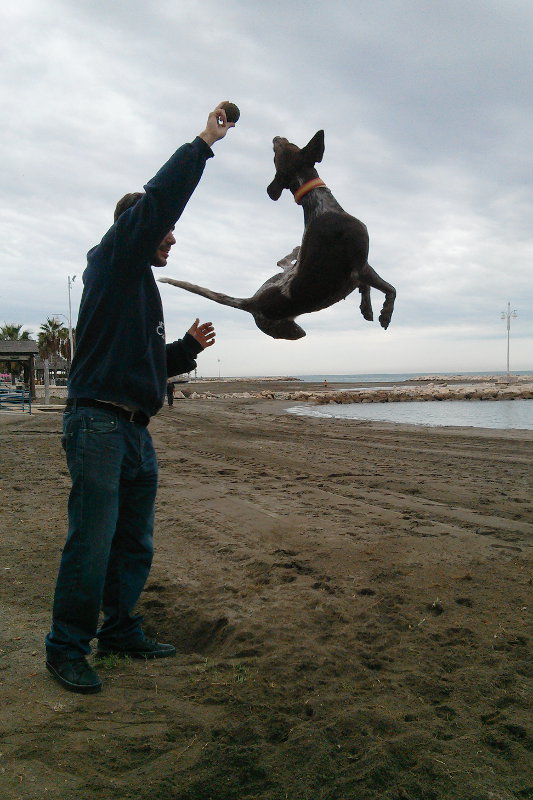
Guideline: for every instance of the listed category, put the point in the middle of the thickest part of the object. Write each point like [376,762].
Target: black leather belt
[131,416]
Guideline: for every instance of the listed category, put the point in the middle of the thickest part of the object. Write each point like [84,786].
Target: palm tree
[64,348]
[51,335]
[49,342]
[10,332]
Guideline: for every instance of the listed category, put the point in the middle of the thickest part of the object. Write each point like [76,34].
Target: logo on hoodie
[160,330]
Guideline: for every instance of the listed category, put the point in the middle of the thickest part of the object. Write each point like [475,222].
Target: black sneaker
[75,674]
[141,648]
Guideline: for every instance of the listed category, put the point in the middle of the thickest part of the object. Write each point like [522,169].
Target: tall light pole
[70,282]
[507,315]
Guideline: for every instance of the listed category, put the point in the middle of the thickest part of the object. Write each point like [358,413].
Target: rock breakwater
[396,394]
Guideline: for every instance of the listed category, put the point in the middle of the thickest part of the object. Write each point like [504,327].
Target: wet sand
[351,602]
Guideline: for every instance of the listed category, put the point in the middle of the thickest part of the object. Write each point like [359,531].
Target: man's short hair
[126,202]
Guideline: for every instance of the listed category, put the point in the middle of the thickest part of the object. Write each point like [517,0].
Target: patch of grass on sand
[111,661]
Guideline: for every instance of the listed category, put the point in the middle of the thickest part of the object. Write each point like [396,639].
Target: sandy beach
[351,602]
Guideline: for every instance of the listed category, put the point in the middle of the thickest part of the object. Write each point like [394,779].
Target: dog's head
[292,162]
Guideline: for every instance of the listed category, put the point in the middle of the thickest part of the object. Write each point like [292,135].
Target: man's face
[161,254]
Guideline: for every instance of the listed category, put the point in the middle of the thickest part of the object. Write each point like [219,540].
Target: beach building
[18,357]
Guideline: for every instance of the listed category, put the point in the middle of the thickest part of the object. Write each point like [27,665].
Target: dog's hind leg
[278,328]
[371,277]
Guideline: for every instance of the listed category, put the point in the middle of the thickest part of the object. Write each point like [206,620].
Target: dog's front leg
[366,304]
[371,277]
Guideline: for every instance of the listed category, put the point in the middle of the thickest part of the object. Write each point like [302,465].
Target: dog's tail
[218,297]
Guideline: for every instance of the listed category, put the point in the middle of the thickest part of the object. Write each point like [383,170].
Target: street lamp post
[70,338]
[507,315]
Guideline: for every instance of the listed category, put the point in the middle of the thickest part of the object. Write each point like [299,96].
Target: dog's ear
[276,187]
[313,151]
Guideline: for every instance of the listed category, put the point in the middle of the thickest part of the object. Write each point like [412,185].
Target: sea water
[502,414]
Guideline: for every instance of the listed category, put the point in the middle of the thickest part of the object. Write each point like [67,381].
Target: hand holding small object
[219,122]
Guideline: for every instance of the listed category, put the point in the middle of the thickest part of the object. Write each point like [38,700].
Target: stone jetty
[393,394]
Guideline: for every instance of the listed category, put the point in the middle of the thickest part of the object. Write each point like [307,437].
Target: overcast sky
[427,107]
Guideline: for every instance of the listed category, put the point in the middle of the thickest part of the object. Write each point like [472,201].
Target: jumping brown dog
[330,263]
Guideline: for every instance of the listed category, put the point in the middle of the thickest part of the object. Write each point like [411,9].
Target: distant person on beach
[170,392]
[117,382]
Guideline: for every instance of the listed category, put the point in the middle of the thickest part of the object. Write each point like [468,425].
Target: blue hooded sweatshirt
[121,356]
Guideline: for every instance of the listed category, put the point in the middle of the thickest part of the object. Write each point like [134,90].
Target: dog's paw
[290,260]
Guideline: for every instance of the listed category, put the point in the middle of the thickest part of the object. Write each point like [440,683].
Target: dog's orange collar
[307,187]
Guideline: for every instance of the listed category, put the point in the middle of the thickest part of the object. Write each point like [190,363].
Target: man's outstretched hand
[204,333]
[217,125]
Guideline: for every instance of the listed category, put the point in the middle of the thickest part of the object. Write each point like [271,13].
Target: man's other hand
[204,333]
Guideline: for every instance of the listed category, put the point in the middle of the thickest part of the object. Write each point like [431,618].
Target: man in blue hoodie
[117,382]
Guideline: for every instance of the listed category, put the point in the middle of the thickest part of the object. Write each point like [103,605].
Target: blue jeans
[109,547]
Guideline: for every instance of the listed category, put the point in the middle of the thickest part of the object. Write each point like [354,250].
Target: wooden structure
[23,351]
[58,368]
